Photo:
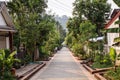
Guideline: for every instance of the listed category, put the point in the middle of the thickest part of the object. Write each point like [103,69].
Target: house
[114,33]
[111,35]
[112,26]
[6,28]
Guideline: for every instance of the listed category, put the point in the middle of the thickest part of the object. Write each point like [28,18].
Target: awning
[7,29]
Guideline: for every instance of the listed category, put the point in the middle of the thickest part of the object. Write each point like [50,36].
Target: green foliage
[117,2]
[87,31]
[102,61]
[8,76]
[35,27]
[52,42]
[43,53]
[78,51]
[7,52]
[117,22]
[73,26]
[27,16]
[113,75]
[112,54]
[27,58]
[68,40]
[92,10]
[6,64]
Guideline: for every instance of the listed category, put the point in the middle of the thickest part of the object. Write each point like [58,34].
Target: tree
[117,2]
[27,15]
[88,20]
[93,10]
[33,24]
[73,26]
[87,31]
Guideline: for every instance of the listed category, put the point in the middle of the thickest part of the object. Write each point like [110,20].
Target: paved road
[62,67]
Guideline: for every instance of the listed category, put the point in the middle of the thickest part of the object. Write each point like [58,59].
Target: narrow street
[63,66]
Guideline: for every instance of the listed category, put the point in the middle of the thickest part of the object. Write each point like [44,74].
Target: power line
[60,8]
[63,4]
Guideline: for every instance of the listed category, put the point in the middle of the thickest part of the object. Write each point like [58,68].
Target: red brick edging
[99,77]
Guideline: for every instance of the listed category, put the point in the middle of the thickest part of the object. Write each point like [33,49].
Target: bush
[6,64]
[44,54]
[102,61]
[7,52]
[27,58]
[78,51]
[112,74]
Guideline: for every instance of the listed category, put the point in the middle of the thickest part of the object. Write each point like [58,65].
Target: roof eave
[112,20]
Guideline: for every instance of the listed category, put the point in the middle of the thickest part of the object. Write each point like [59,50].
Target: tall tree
[93,10]
[27,15]
[35,27]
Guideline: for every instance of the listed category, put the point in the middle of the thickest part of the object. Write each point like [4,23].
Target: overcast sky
[60,7]
[64,7]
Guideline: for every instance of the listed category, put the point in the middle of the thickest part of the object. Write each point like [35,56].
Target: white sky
[64,7]
[4,0]
[60,7]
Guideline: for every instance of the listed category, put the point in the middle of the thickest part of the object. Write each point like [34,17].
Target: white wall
[2,42]
[110,38]
[7,43]
[2,21]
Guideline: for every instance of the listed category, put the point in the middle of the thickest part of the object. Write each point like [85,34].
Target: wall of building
[110,37]
[2,21]
[2,42]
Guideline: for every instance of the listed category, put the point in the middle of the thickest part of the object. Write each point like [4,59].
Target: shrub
[27,58]
[112,74]
[6,64]
[43,53]
[113,55]
[102,61]
[78,51]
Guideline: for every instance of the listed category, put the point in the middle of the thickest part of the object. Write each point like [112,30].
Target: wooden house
[6,28]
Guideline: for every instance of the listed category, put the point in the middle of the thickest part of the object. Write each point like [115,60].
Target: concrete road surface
[63,66]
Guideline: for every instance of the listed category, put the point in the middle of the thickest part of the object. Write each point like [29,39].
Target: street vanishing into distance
[63,66]
[59,39]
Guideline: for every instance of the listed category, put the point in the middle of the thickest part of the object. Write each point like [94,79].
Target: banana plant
[113,56]
[6,63]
